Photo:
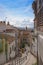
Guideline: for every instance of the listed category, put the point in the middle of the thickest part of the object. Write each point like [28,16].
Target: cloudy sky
[18,12]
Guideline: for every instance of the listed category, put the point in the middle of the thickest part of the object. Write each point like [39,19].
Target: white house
[10,35]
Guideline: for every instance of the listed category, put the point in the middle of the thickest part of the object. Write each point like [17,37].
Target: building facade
[25,36]
[38,11]
[38,27]
[10,35]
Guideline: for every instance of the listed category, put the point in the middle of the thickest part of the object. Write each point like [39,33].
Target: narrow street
[29,61]
[26,59]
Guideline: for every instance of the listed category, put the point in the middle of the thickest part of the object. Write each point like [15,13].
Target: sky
[18,12]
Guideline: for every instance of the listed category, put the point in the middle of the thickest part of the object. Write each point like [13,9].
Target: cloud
[28,22]
[16,17]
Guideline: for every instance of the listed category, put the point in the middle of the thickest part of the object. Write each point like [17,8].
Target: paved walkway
[30,60]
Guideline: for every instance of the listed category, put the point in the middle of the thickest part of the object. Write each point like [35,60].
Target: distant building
[24,36]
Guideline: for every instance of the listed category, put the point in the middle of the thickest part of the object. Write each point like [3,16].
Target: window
[40,3]
[42,0]
[37,4]
[10,50]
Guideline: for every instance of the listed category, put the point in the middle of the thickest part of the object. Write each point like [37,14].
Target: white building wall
[2,58]
[12,55]
[34,47]
[40,48]
[13,51]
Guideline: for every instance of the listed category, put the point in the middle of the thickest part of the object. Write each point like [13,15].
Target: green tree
[23,45]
